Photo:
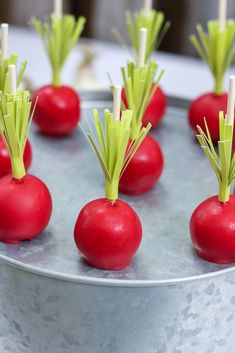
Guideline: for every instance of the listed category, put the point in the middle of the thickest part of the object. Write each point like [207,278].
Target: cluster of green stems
[216,48]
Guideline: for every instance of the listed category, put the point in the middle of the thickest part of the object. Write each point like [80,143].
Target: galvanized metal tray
[69,168]
[167,301]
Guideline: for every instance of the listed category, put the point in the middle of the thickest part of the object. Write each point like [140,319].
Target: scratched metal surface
[69,168]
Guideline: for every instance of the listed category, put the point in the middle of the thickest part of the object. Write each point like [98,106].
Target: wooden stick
[4,40]
[117,102]
[148,4]
[58,8]
[222,10]
[12,77]
[142,46]
[231,101]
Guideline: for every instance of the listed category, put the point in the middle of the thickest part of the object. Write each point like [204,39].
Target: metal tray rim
[109,282]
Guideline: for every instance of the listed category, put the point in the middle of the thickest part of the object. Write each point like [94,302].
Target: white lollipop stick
[231,101]
[148,4]
[4,40]
[117,102]
[142,46]
[58,8]
[12,77]
[222,14]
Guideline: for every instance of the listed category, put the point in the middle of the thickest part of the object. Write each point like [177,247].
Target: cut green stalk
[139,88]
[15,121]
[153,21]
[59,38]
[222,163]
[111,148]
[4,76]
[216,48]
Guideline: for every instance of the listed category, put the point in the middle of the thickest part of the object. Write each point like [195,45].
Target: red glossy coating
[58,110]
[5,162]
[108,235]
[144,169]
[212,228]
[156,108]
[25,208]
[208,105]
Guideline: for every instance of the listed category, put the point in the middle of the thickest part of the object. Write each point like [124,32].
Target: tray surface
[73,175]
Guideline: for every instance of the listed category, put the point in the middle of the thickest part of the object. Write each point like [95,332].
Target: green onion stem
[223,163]
[56,77]
[140,85]
[216,48]
[219,83]
[15,121]
[59,38]
[4,75]
[153,21]
[109,143]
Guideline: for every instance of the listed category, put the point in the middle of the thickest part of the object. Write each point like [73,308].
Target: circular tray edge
[109,282]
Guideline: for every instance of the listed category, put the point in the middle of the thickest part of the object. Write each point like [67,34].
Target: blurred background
[104,14]
[98,53]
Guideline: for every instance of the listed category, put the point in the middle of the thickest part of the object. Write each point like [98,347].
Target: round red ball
[108,234]
[212,228]
[57,111]
[155,109]
[25,208]
[5,162]
[144,169]
[207,106]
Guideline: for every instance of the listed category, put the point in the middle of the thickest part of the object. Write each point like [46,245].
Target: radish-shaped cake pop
[108,231]
[146,166]
[217,49]
[212,224]
[58,108]
[5,61]
[153,21]
[25,202]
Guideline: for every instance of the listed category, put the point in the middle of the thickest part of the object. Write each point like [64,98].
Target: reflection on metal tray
[167,301]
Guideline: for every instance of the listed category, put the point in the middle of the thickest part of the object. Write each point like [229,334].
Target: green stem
[56,77]
[219,85]
[111,190]
[18,168]
[224,192]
